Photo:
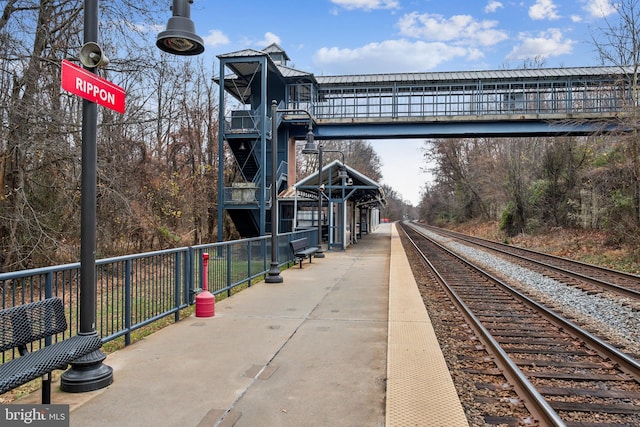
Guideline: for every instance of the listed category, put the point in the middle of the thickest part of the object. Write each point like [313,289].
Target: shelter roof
[361,188]
[536,74]
[275,51]
[245,68]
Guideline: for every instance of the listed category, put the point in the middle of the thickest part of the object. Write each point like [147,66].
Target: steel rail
[593,280]
[534,401]
[525,389]
[625,361]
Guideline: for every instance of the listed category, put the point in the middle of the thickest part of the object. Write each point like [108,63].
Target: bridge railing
[395,100]
[135,290]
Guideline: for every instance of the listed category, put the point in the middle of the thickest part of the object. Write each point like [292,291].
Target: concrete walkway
[308,352]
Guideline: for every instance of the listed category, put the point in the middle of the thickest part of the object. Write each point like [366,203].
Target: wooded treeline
[528,184]
[157,163]
[151,160]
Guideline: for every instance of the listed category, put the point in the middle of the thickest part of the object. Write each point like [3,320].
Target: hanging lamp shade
[310,147]
[342,172]
[180,37]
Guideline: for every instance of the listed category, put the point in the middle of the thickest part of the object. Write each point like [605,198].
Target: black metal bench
[33,322]
[302,250]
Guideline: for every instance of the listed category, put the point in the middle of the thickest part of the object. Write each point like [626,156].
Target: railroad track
[524,355]
[600,278]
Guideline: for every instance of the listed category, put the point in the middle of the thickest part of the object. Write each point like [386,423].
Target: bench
[301,249]
[30,323]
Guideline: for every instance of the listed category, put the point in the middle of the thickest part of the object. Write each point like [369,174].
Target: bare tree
[358,155]
[460,165]
[617,43]
[40,137]
[32,143]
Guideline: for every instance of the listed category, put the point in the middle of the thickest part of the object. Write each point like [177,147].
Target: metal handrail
[136,290]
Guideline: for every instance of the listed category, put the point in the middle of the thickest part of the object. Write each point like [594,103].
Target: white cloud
[599,8]
[439,40]
[543,9]
[367,4]
[215,38]
[269,38]
[459,28]
[391,56]
[544,45]
[492,6]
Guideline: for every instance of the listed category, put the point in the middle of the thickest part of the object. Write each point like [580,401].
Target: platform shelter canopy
[357,187]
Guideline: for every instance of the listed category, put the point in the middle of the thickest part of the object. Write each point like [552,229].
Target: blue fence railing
[135,290]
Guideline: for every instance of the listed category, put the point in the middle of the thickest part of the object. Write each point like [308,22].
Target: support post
[88,373]
[319,253]
[273,275]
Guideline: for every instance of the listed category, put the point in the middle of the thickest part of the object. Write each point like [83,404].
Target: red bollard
[205,300]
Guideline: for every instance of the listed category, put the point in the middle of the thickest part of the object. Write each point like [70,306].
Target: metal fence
[135,290]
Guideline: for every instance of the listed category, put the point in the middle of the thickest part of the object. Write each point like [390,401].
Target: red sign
[87,85]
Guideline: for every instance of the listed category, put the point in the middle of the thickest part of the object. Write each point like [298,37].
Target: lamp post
[88,372]
[273,275]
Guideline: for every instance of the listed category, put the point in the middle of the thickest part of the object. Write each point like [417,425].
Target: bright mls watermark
[34,415]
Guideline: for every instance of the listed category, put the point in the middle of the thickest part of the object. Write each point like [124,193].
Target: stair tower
[250,80]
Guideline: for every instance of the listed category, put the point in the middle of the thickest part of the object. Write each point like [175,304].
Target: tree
[361,156]
[557,181]
[358,155]
[35,144]
[526,183]
[396,209]
[617,43]
[156,163]
[462,170]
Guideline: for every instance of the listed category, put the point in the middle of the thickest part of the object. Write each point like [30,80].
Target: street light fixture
[273,275]
[89,373]
[342,172]
[180,37]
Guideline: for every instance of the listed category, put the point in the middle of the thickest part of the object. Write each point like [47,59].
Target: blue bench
[32,322]
[302,250]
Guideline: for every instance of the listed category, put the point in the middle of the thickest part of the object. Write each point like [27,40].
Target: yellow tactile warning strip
[420,391]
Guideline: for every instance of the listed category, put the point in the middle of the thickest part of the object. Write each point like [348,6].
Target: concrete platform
[420,390]
[311,351]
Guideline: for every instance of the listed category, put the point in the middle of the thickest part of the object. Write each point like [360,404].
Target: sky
[334,37]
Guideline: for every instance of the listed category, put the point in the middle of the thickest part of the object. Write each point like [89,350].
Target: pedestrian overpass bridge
[555,101]
[498,103]
[449,104]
